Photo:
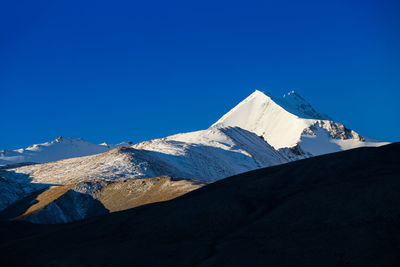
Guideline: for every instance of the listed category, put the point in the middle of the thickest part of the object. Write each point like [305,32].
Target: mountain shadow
[341,209]
[47,206]
[20,199]
[19,207]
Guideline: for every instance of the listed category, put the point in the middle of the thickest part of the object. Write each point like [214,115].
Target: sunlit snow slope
[290,121]
[60,148]
[206,155]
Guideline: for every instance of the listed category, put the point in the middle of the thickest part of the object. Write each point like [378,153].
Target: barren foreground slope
[341,209]
[74,202]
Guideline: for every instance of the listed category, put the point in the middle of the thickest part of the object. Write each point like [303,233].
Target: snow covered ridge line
[206,155]
[256,133]
[60,148]
[289,124]
[291,121]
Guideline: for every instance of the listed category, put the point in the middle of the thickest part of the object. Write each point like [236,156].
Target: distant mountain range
[261,131]
[58,149]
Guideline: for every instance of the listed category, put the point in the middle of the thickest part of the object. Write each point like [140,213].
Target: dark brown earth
[341,209]
[67,203]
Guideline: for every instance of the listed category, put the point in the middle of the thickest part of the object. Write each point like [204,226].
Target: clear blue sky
[136,70]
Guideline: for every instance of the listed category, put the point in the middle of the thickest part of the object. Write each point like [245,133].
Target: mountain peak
[288,121]
[59,148]
[297,105]
[279,120]
[293,94]
[291,102]
[65,139]
[257,93]
[266,117]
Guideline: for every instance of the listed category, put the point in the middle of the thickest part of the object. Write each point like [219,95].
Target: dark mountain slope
[72,202]
[340,209]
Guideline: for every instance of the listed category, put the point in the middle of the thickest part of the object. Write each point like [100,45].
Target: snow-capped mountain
[291,121]
[60,148]
[259,132]
[285,123]
[206,155]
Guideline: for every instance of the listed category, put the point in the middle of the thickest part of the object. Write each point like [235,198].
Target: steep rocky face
[334,129]
[297,105]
